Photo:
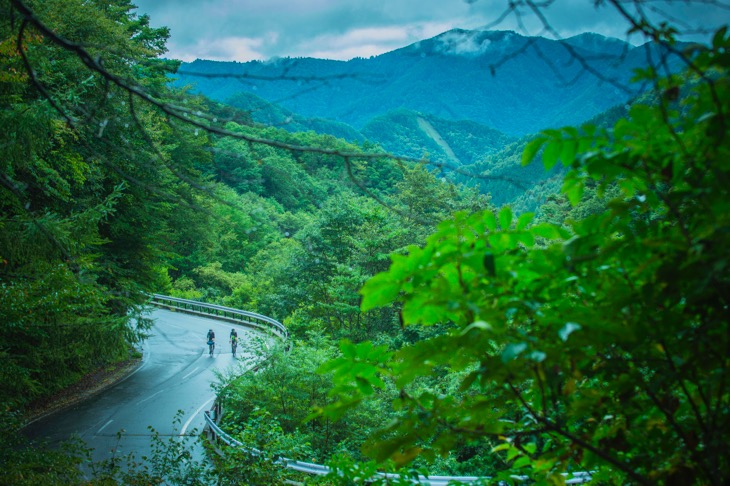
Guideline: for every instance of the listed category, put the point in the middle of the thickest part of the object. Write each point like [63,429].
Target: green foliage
[361,363]
[345,471]
[591,339]
[603,348]
[78,184]
[286,388]
[257,461]
[170,461]
[509,179]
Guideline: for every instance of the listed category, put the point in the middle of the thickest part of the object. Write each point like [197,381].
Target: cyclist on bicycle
[233,338]
[211,341]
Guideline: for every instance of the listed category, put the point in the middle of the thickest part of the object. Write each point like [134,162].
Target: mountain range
[500,79]
[470,99]
[403,132]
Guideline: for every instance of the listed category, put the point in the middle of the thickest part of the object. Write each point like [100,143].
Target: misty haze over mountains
[507,82]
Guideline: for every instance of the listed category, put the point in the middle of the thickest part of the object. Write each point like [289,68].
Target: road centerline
[185,426]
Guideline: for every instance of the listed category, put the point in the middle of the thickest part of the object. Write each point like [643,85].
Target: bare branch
[642,25]
[281,77]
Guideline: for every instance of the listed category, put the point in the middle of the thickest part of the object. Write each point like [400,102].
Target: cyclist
[234,341]
[211,341]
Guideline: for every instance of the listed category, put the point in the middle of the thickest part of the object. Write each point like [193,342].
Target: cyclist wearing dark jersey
[233,338]
[211,341]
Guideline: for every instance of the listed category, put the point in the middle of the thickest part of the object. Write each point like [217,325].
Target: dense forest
[435,328]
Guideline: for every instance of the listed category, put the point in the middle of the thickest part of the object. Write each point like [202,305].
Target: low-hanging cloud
[462,43]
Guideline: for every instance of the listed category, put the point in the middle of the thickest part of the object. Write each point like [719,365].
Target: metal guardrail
[300,466]
[221,312]
[267,323]
[320,470]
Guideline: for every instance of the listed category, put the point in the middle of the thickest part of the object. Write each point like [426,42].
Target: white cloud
[366,42]
[353,43]
[223,49]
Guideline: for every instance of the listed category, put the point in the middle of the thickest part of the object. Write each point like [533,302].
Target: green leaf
[527,239]
[548,231]
[504,446]
[490,220]
[573,187]
[531,149]
[569,149]
[333,365]
[551,153]
[524,220]
[379,291]
[349,350]
[364,386]
[505,217]
[521,462]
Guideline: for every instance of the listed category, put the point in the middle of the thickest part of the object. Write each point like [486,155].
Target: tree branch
[550,426]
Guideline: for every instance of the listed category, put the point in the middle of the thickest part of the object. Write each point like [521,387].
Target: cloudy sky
[243,30]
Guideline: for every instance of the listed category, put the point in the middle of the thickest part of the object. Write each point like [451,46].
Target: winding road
[175,375]
[170,391]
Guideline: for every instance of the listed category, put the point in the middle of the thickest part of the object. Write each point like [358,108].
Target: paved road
[176,374]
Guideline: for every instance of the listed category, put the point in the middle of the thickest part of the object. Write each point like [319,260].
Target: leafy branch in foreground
[602,347]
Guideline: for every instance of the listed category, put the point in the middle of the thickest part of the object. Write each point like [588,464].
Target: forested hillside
[454,143]
[273,115]
[86,201]
[400,132]
[433,328]
[106,199]
[525,188]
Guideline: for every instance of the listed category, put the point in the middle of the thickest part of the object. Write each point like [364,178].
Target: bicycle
[211,347]
[234,345]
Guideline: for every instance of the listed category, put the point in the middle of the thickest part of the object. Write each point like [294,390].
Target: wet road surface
[175,375]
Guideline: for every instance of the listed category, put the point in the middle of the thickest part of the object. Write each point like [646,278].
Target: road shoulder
[88,386]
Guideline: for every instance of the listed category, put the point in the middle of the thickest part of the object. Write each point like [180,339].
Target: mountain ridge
[401,132]
[501,79]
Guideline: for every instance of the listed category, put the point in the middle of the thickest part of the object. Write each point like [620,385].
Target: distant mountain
[505,81]
[400,132]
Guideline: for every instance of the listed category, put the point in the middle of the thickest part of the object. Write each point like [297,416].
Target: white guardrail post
[268,324]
